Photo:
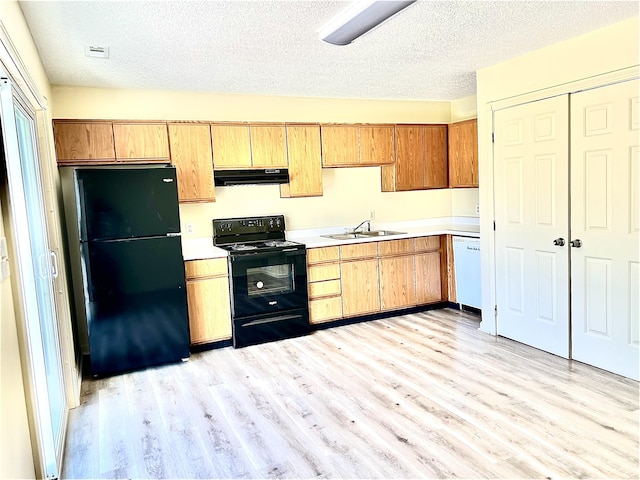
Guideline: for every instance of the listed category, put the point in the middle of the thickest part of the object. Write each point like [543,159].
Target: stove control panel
[248,228]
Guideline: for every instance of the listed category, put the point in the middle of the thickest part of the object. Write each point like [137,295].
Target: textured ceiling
[430,51]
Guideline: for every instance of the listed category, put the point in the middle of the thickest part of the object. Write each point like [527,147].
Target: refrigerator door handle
[54,264]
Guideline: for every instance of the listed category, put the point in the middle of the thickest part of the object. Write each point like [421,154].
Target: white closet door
[531,211]
[605,219]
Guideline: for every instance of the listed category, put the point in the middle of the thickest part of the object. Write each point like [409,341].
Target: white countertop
[202,248]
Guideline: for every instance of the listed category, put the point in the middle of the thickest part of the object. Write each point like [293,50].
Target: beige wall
[16,453]
[561,68]
[349,193]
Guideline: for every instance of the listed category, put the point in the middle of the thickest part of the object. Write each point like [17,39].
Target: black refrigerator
[132,270]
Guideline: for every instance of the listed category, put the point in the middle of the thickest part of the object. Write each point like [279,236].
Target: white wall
[555,69]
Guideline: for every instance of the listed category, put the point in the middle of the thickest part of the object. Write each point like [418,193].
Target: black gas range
[269,299]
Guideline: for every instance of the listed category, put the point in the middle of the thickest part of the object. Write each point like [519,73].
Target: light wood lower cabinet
[428,278]
[360,291]
[324,285]
[397,282]
[365,278]
[208,300]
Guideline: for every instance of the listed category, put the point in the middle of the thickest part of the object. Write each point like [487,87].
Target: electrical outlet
[477,209]
[189,227]
[372,214]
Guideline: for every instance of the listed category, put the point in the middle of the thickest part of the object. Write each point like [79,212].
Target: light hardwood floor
[417,396]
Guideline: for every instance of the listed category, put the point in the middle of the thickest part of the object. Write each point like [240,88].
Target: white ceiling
[430,51]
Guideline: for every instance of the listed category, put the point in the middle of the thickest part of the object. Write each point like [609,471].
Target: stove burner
[279,243]
[242,247]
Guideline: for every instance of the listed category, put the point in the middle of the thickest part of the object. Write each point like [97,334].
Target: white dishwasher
[466,260]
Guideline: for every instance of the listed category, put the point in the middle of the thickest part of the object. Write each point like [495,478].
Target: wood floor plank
[424,395]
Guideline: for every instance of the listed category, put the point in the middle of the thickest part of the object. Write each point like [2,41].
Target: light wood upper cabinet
[436,174]
[421,159]
[305,162]
[208,300]
[268,146]
[409,166]
[463,154]
[192,156]
[144,142]
[231,146]
[83,142]
[377,144]
[339,145]
[360,291]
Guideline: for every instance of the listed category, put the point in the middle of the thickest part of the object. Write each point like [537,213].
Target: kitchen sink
[353,236]
[382,233]
[346,236]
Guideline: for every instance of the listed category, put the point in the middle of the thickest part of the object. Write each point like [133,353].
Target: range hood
[250,177]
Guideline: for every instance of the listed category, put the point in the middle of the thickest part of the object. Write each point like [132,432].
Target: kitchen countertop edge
[203,248]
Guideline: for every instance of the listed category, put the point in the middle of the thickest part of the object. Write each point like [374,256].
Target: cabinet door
[305,162]
[192,156]
[397,282]
[463,154]
[268,146]
[231,146]
[360,292]
[436,173]
[339,145]
[147,142]
[209,309]
[84,143]
[409,172]
[428,278]
[377,144]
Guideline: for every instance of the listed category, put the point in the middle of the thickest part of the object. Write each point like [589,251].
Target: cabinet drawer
[318,273]
[324,289]
[395,247]
[427,244]
[325,309]
[324,254]
[213,267]
[359,250]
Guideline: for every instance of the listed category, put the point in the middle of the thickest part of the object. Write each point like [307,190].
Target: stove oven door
[268,282]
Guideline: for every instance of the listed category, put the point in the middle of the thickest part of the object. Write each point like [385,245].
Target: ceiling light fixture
[360,18]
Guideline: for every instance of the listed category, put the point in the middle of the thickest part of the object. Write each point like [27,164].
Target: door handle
[559,242]
[577,243]
[54,264]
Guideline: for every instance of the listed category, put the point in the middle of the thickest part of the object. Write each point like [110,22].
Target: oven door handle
[282,253]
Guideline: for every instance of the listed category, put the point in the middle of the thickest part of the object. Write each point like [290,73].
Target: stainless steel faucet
[368,222]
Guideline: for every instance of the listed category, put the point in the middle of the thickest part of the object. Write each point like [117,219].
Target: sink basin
[346,236]
[352,236]
[382,233]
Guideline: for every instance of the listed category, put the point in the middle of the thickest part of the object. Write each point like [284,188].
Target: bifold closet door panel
[532,221]
[605,219]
